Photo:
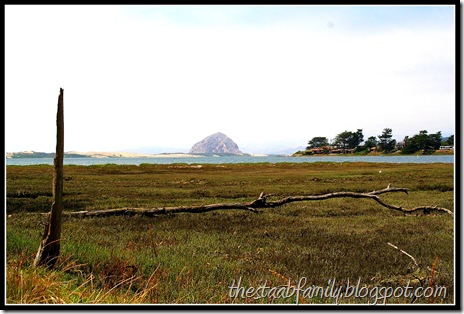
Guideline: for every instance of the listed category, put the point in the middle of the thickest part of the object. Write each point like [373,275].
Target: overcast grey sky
[266,76]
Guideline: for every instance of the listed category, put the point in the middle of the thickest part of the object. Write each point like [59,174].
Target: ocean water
[232,160]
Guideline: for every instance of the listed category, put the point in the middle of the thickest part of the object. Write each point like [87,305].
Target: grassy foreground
[194,258]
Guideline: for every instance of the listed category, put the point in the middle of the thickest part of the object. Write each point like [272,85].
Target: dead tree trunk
[49,248]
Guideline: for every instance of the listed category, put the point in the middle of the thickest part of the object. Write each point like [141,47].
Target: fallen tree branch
[253,206]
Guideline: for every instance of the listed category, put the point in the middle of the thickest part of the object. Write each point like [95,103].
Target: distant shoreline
[435,153]
[132,155]
[76,154]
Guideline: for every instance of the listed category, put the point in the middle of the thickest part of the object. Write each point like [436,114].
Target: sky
[160,78]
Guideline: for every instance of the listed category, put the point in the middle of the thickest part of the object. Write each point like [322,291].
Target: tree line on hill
[350,142]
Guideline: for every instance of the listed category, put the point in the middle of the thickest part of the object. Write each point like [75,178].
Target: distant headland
[74,154]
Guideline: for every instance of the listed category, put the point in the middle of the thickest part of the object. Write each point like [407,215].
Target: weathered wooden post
[49,248]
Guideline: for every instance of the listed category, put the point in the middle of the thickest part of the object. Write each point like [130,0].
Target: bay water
[232,160]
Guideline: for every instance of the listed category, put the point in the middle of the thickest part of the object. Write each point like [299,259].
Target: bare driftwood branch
[404,252]
[253,206]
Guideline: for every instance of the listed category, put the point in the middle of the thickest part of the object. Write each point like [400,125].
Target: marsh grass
[193,258]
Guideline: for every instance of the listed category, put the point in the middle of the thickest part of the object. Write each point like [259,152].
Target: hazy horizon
[256,149]
[269,77]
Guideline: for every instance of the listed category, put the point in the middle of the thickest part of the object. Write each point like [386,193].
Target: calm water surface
[232,159]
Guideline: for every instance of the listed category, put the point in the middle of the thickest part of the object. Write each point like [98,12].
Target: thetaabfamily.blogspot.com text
[303,291]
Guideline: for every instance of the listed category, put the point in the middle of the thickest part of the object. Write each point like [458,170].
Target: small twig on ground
[405,253]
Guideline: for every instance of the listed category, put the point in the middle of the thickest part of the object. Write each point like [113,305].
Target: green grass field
[194,258]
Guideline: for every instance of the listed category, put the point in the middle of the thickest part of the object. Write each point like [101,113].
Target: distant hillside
[216,144]
[72,154]
[32,154]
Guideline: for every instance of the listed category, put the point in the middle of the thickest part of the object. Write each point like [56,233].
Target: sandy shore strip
[131,155]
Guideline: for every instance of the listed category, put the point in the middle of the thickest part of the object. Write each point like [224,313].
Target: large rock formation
[216,144]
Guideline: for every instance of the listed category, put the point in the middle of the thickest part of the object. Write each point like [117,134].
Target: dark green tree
[423,141]
[349,139]
[355,139]
[410,145]
[371,142]
[386,143]
[450,141]
[341,140]
[434,141]
[318,141]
